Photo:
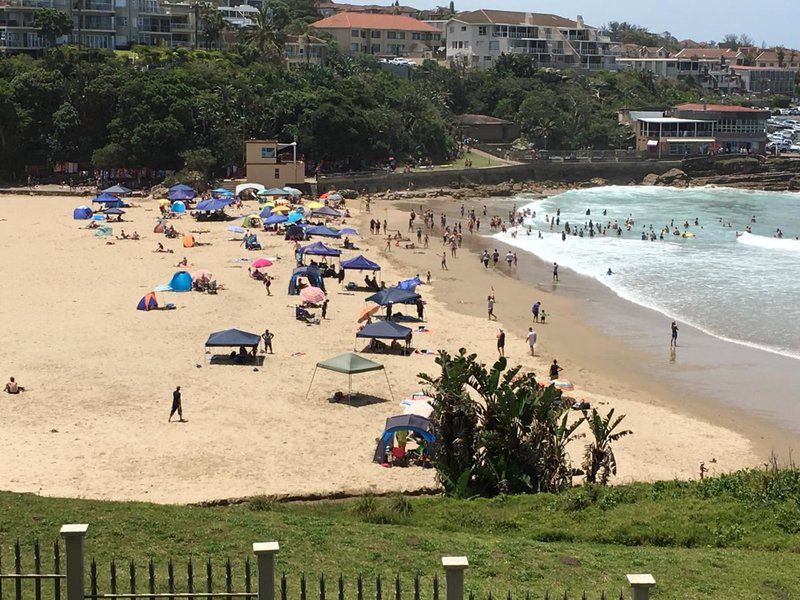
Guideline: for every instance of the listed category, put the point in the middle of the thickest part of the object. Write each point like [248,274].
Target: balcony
[34,4]
[151,8]
[95,5]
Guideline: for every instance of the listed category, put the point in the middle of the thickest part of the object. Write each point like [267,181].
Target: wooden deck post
[265,555]
[74,535]
[454,567]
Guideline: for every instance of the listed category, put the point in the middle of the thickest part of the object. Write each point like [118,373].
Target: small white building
[477,38]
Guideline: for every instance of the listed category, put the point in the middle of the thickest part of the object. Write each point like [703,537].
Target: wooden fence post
[265,556]
[454,567]
[74,535]
[640,586]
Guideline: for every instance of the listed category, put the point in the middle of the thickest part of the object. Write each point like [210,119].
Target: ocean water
[743,289]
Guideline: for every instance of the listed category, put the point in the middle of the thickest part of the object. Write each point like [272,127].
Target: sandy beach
[99,374]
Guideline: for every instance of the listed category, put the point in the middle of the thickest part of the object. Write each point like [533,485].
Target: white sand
[100,374]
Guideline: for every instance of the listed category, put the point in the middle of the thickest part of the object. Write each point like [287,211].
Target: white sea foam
[744,293]
[769,243]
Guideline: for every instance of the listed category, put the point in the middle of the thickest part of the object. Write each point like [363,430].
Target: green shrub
[262,503]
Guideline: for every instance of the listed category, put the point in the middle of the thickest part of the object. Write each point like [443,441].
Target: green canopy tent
[351,364]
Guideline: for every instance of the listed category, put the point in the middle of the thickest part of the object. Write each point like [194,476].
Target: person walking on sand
[531,339]
[673,343]
[490,308]
[267,337]
[554,370]
[267,284]
[388,244]
[535,311]
[555,272]
[444,261]
[325,308]
[177,406]
[509,258]
[501,343]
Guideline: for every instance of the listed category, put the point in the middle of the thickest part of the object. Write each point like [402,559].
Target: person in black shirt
[177,406]
[501,343]
[554,370]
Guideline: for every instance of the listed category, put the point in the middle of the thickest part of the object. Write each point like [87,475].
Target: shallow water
[744,289]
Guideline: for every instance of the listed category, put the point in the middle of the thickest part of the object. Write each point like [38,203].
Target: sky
[773,22]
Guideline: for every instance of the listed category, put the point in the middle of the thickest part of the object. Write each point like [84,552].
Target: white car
[794,148]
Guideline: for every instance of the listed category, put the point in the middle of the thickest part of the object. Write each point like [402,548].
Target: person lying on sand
[12,387]
[162,249]
[181,263]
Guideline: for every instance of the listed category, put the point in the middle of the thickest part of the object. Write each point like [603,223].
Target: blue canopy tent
[414,423]
[114,211]
[235,338]
[360,263]
[313,275]
[81,213]
[386,330]
[319,249]
[117,189]
[265,213]
[110,200]
[322,231]
[393,296]
[212,204]
[181,187]
[181,195]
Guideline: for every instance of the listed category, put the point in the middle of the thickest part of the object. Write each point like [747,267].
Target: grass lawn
[698,540]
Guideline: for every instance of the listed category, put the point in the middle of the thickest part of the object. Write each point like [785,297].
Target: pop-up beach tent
[82,213]
[360,263]
[386,330]
[313,275]
[148,302]
[181,282]
[178,207]
[414,423]
[350,364]
[234,338]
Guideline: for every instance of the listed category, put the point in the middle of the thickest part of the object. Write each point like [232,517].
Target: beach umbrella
[324,196]
[202,274]
[295,217]
[117,189]
[163,202]
[275,219]
[265,212]
[314,204]
[335,197]
[181,187]
[260,263]
[113,211]
[369,309]
[292,191]
[312,294]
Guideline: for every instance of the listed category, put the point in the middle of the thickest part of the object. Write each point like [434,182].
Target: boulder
[650,179]
[794,184]
[672,177]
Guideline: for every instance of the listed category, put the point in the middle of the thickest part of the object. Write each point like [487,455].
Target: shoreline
[597,358]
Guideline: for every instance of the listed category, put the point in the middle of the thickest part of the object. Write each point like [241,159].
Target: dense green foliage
[149,106]
[733,536]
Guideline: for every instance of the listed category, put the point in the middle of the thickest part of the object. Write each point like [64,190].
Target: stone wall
[567,172]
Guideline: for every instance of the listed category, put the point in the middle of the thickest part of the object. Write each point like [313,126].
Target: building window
[376,48]
[415,36]
[354,47]
[436,36]
[494,45]
[482,30]
[392,35]
[487,59]
[452,29]
[267,152]
[277,174]
[401,35]
[376,35]
[122,21]
[463,28]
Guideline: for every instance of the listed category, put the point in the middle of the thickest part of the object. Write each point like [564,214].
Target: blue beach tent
[181,282]
[178,207]
[181,187]
[409,284]
[393,296]
[82,213]
[148,302]
[313,275]
[414,423]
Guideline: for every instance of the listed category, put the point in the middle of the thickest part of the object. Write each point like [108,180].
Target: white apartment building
[476,39]
[713,68]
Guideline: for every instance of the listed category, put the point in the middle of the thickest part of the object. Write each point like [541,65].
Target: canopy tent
[275,219]
[82,213]
[393,296]
[360,263]
[350,364]
[114,211]
[319,249]
[257,187]
[414,423]
[234,338]
[325,211]
[212,204]
[386,330]
[274,192]
[181,187]
[313,275]
[148,302]
[181,195]
[322,231]
[108,199]
[409,284]
[117,189]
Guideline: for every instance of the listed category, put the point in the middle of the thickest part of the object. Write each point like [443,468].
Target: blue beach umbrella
[294,217]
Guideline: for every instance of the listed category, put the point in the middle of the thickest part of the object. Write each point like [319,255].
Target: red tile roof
[347,20]
[718,108]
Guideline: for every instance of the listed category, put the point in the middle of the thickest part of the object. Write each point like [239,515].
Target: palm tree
[212,23]
[262,37]
[599,462]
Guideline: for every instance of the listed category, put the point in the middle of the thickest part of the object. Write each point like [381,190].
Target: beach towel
[424,351]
